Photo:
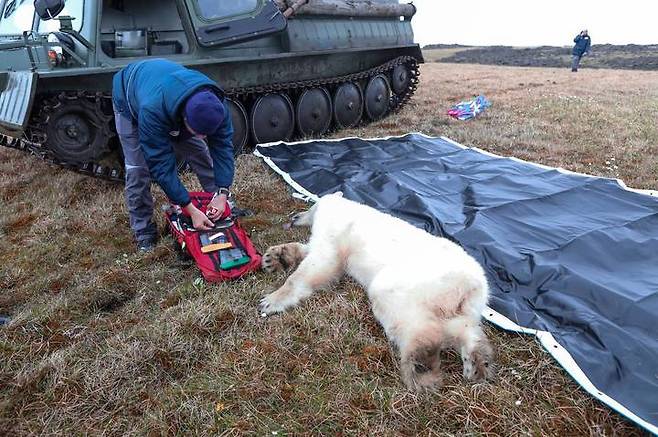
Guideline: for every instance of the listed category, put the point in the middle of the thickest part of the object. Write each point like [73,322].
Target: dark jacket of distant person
[583,42]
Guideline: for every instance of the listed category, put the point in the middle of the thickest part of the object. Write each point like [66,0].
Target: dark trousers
[575,62]
[138,177]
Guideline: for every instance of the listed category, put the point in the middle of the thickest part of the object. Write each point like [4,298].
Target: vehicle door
[227,22]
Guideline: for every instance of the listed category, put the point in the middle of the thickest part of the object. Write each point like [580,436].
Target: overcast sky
[535,22]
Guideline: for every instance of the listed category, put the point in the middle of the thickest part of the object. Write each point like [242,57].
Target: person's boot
[146,245]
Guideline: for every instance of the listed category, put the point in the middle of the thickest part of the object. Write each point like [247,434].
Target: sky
[534,22]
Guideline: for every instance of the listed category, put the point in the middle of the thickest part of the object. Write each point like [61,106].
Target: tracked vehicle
[290,68]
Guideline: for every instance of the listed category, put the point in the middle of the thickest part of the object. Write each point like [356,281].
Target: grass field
[104,340]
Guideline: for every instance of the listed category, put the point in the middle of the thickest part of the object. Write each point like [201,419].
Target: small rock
[518,402]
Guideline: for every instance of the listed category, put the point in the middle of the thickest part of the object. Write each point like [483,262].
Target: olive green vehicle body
[248,53]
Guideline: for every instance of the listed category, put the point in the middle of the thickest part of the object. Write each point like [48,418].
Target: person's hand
[199,220]
[217,206]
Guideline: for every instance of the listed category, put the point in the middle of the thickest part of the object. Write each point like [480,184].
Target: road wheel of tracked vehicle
[240,126]
[401,79]
[348,105]
[272,118]
[77,129]
[314,112]
[378,95]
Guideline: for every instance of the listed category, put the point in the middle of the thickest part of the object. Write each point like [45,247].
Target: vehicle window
[214,9]
[73,8]
[17,16]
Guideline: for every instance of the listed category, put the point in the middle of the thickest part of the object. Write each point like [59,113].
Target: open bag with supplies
[224,252]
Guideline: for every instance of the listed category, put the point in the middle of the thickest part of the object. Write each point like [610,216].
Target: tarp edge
[564,359]
[621,183]
[301,190]
[652,193]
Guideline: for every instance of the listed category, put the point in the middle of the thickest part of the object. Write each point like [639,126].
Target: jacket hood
[182,84]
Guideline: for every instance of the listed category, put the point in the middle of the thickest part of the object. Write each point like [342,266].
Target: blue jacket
[582,45]
[152,92]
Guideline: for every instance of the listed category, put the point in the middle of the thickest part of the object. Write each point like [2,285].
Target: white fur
[426,291]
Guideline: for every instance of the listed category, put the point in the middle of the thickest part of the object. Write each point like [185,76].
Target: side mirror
[48,9]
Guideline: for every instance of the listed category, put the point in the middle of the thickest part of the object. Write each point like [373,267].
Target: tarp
[570,258]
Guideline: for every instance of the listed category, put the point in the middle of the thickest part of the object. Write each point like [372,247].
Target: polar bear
[425,291]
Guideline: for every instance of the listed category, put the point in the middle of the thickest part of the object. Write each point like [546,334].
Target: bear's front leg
[316,270]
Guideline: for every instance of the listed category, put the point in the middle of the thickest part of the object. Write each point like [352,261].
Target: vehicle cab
[51,34]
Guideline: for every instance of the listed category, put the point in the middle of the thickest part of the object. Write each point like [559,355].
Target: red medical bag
[189,240]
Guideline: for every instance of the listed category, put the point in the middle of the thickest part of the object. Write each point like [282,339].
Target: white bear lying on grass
[426,291]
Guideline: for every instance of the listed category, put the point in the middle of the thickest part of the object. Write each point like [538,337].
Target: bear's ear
[336,194]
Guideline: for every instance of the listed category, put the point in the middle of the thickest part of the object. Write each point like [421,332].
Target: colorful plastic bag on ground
[469,109]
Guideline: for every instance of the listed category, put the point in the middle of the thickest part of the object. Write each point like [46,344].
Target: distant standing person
[580,49]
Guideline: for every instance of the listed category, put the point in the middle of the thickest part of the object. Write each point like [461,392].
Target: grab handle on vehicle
[217,28]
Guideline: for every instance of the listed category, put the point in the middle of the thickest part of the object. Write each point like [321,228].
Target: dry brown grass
[105,340]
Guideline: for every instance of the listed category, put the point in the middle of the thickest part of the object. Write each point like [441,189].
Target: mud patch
[15,228]
[86,189]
